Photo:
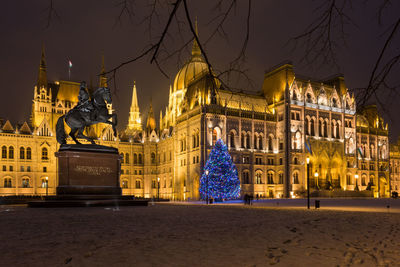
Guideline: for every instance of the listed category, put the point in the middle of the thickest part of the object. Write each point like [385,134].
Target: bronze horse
[81,116]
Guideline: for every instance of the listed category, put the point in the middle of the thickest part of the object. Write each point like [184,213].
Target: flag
[360,151]
[70,63]
[308,146]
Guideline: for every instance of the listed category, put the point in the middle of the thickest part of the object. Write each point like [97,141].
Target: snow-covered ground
[182,234]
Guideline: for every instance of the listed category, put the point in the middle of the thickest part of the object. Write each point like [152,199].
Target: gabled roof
[25,129]
[8,128]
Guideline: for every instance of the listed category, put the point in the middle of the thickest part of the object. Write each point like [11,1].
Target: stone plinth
[88,176]
[88,170]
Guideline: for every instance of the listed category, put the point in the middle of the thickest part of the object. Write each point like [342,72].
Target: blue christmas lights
[222,181]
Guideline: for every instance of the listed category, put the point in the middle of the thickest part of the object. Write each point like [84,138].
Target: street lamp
[47,186]
[158,189]
[206,186]
[356,176]
[308,182]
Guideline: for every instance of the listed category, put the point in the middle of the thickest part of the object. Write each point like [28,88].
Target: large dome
[192,70]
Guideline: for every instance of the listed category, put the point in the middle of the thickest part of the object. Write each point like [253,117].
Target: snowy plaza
[343,232]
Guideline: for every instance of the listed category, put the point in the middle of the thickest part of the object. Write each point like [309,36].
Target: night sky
[86,29]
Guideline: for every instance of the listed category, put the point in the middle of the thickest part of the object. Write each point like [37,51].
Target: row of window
[137,158]
[270,178]
[245,141]
[22,168]
[322,127]
[25,183]
[23,153]
[136,172]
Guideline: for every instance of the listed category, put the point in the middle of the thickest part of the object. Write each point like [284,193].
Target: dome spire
[151,121]
[195,48]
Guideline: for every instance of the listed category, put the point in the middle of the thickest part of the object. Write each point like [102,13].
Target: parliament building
[269,134]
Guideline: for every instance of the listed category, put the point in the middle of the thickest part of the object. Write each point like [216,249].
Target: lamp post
[206,186]
[308,182]
[316,176]
[356,176]
[47,186]
[158,188]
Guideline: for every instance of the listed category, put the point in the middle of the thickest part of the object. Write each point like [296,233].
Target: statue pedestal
[88,175]
[88,170]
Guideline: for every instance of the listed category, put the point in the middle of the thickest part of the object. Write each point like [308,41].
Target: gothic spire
[42,79]
[134,103]
[134,122]
[103,78]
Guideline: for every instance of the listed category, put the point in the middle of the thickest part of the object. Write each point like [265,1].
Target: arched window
[193,140]
[255,141]
[197,139]
[280,178]
[232,139]
[45,153]
[140,159]
[270,148]
[214,136]
[243,140]
[321,127]
[122,157]
[22,152]
[11,152]
[127,158]
[135,159]
[25,183]
[348,179]
[312,127]
[258,178]
[338,130]
[28,153]
[124,184]
[307,126]
[260,142]
[7,183]
[4,152]
[326,128]
[137,184]
[45,183]
[153,158]
[296,178]
[333,129]
[270,178]
[363,179]
[248,140]
[245,178]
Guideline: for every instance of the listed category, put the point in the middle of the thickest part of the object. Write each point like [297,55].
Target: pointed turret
[42,79]
[103,78]
[161,120]
[134,123]
[196,52]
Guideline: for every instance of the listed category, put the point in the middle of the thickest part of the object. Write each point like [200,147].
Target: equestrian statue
[87,112]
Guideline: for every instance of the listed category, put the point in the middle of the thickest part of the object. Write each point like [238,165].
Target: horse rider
[85,106]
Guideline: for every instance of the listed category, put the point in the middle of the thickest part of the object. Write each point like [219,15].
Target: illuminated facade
[265,133]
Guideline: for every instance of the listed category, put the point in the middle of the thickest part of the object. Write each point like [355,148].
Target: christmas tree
[222,181]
